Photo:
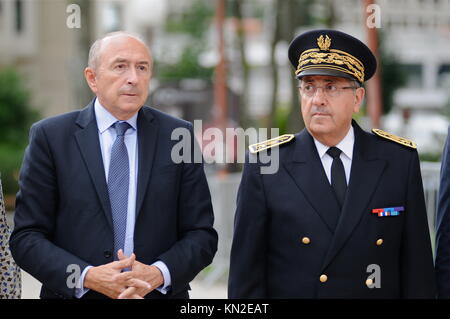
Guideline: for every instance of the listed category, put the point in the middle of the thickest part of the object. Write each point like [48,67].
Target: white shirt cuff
[166,274]
[80,290]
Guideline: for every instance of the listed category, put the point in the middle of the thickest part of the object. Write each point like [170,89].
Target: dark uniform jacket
[63,214]
[292,241]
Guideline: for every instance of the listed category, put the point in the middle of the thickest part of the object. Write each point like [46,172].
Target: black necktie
[338,181]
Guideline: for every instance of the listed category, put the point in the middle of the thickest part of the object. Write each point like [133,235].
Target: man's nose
[319,96]
[132,76]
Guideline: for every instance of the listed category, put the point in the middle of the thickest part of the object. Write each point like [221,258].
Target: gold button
[369,282]
[306,240]
[379,242]
[323,278]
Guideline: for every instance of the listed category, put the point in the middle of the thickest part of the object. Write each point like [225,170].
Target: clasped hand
[112,281]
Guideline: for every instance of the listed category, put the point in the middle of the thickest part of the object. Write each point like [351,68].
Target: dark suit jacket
[63,215]
[443,226]
[274,212]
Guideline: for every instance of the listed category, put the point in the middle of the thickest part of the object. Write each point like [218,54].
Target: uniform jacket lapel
[307,171]
[365,174]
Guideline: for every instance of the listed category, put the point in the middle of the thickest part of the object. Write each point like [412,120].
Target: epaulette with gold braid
[395,138]
[258,147]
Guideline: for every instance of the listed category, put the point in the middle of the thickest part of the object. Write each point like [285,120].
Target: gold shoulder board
[258,147]
[392,137]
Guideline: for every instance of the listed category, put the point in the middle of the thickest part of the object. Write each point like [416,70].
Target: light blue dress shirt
[107,135]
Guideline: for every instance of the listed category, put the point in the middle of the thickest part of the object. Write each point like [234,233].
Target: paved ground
[31,288]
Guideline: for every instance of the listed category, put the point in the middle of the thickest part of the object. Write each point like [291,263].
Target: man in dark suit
[344,216]
[101,197]
[443,226]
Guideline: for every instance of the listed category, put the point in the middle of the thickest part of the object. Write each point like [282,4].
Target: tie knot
[121,128]
[334,152]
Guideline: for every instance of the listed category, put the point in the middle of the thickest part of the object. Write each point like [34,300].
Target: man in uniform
[344,216]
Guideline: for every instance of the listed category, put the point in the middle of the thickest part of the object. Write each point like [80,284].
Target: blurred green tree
[289,16]
[393,75]
[236,11]
[193,23]
[16,116]
[187,67]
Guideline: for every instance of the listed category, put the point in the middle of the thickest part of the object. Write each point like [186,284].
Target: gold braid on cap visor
[334,59]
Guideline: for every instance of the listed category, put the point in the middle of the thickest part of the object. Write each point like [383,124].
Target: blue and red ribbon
[389,211]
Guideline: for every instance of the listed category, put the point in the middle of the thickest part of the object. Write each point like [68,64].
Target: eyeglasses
[330,90]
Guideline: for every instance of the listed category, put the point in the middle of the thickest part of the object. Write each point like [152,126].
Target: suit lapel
[147,140]
[89,145]
[307,171]
[365,174]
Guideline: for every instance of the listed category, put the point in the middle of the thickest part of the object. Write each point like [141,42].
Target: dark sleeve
[248,273]
[197,239]
[35,218]
[443,227]
[417,273]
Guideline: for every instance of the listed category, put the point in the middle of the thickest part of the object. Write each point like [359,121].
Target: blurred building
[417,35]
[53,56]
[37,42]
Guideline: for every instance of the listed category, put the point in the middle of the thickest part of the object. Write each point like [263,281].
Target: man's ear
[359,98]
[91,80]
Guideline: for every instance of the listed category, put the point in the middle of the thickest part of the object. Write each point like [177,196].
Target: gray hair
[356,84]
[95,50]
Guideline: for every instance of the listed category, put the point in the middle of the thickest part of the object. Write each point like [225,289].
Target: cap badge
[324,43]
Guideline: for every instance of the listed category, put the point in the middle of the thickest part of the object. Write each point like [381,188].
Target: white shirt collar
[345,145]
[106,119]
